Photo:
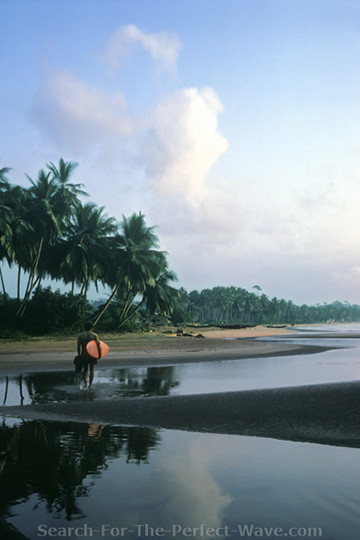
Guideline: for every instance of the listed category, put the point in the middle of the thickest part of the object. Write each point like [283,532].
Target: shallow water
[104,478]
[99,479]
[341,364]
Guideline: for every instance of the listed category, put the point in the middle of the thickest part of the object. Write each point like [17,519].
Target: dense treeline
[46,231]
[236,306]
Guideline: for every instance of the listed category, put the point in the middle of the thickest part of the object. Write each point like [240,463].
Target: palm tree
[161,296]
[136,264]
[52,198]
[14,229]
[5,216]
[3,176]
[42,213]
[68,193]
[81,256]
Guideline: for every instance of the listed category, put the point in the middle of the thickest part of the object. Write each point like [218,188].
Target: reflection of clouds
[195,496]
[184,490]
[177,488]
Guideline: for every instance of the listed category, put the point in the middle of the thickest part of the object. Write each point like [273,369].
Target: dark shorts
[88,361]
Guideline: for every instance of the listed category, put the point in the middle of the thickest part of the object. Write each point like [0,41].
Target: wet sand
[326,414]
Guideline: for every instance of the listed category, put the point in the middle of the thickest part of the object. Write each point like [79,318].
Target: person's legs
[86,374]
[92,372]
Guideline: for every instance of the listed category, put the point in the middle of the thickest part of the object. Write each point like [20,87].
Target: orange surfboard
[92,349]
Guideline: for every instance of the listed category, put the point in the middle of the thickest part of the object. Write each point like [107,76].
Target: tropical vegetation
[227,306]
[48,232]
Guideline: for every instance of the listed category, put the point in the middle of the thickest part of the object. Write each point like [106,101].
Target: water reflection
[204,377]
[53,461]
[60,474]
[45,387]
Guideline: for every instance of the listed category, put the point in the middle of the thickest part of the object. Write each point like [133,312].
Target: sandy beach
[149,350]
[328,413]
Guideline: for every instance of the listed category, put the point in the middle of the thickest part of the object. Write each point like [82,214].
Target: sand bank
[327,414]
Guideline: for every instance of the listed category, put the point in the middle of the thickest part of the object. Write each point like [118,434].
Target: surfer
[88,361]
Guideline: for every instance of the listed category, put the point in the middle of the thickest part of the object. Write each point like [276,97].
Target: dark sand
[328,414]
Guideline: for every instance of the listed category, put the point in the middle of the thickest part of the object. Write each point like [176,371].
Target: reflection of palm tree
[51,461]
[159,380]
[139,441]
[6,389]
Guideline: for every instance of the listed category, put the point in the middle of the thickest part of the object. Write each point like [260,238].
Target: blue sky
[233,125]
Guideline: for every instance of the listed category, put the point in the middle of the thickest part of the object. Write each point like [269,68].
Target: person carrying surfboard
[88,361]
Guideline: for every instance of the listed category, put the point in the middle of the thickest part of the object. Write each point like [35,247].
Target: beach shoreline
[151,351]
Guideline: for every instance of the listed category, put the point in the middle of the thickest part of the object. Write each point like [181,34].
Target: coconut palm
[17,238]
[135,265]
[51,200]
[81,255]
[5,239]
[42,213]
[161,296]
[14,229]
[68,193]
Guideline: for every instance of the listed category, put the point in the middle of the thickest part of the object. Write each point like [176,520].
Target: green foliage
[232,305]
[47,232]
[53,312]
[48,313]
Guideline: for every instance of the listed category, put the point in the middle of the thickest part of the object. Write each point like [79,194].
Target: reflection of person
[95,430]
[87,360]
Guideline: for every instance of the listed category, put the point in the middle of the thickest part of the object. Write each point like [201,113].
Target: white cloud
[167,161]
[162,47]
[76,115]
[181,146]
[170,154]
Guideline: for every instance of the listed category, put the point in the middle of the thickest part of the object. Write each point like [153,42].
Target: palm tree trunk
[125,304]
[132,313]
[18,282]
[37,283]
[108,302]
[34,270]
[30,284]
[3,284]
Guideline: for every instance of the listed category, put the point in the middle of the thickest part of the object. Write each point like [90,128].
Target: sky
[233,125]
